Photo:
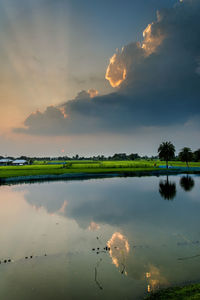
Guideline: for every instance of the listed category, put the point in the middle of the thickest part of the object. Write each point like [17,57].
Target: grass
[189,292]
[180,164]
[84,167]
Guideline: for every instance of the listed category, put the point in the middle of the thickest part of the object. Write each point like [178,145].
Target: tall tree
[186,155]
[166,151]
[196,155]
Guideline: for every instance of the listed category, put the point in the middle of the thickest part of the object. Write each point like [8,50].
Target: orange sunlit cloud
[93,93]
[119,63]
[116,72]
[62,109]
[151,42]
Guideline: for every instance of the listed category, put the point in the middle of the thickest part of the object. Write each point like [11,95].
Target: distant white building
[5,161]
[20,162]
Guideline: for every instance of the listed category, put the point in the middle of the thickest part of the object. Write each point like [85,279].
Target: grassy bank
[44,169]
[190,292]
[84,167]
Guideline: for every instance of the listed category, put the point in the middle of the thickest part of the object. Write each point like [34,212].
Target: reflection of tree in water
[187,183]
[167,189]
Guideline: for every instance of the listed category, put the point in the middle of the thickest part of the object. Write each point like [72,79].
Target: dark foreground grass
[189,292]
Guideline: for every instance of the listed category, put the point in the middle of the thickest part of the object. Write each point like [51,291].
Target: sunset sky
[98,77]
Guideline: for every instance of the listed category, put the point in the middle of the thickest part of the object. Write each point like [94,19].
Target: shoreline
[79,176]
[186,291]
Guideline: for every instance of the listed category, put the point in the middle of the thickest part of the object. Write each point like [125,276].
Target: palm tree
[166,151]
[196,155]
[186,155]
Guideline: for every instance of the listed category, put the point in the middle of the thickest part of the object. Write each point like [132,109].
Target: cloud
[158,83]
[124,61]
[121,62]
[93,93]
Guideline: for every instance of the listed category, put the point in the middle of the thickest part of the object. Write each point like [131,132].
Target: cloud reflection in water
[119,250]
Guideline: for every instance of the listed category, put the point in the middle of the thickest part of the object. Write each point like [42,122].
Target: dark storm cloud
[160,85]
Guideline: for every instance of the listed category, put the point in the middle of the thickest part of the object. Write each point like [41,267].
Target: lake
[113,238]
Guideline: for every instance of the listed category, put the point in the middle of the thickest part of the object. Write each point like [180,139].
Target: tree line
[166,152]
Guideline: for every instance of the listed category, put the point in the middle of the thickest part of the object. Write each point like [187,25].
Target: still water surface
[115,238]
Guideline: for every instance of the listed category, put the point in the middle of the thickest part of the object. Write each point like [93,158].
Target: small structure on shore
[5,161]
[19,162]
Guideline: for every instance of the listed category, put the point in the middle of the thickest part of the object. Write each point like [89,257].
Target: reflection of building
[119,250]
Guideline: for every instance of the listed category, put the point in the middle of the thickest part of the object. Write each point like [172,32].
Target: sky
[98,77]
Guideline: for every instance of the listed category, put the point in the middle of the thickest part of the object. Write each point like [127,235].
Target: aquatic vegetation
[184,293]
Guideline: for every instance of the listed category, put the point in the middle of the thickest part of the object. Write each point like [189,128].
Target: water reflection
[93,226]
[149,239]
[119,250]
[167,189]
[93,203]
[155,279]
[187,183]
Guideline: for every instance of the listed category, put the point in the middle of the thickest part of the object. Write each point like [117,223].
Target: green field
[43,168]
[190,292]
